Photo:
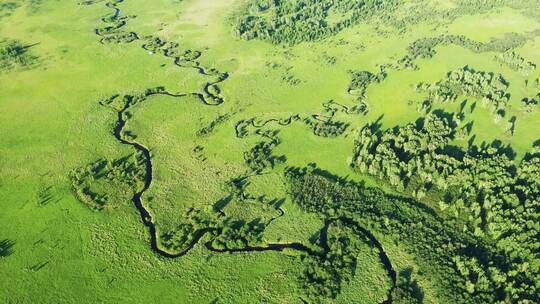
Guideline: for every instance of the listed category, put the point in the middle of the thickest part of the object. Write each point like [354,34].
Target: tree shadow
[276,203]
[454,151]
[470,142]
[6,247]
[377,125]
[496,147]
[473,107]
[222,203]
[408,290]
[462,105]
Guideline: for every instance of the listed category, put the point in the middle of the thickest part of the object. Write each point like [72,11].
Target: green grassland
[261,151]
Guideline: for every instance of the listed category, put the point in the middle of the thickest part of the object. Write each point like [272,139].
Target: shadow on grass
[6,247]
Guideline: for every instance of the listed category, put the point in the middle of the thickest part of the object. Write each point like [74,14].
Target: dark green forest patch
[296,21]
[466,268]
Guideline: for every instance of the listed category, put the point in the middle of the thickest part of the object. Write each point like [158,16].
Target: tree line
[292,22]
[425,47]
[464,267]
[483,189]
[490,88]
[516,62]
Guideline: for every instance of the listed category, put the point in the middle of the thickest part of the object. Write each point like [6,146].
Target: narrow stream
[147,217]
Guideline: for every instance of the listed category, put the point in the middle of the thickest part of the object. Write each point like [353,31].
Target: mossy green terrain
[264,151]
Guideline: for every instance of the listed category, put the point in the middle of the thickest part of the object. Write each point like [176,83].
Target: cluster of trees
[325,273]
[464,267]
[113,33]
[423,11]
[238,234]
[482,189]
[107,184]
[290,79]
[529,103]
[199,153]
[209,129]
[425,47]
[489,87]
[479,6]
[14,54]
[185,56]
[123,102]
[241,128]
[307,20]
[192,225]
[156,45]
[360,81]
[396,152]
[296,21]
[321,125]
[332,107]
[326,128]
[260,157]
[330,60]
[516,62]
[407,290]
[225,234]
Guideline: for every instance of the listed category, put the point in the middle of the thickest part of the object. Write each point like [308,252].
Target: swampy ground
[264,151]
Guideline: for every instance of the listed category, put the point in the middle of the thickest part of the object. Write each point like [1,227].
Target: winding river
[211,99]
